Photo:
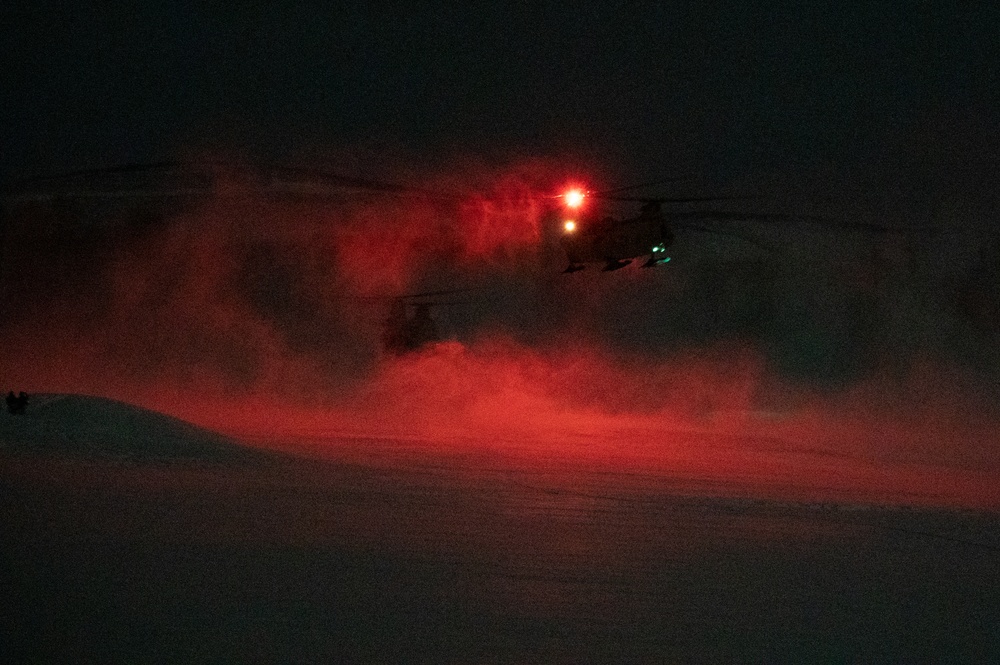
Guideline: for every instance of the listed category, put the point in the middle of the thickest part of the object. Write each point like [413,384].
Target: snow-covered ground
[396,549]
[97,427]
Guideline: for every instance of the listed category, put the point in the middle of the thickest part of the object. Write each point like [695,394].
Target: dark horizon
[902,97]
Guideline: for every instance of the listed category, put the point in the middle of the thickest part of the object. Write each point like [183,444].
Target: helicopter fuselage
[616,243]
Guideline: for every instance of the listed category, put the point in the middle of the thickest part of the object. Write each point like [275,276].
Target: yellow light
[573,198]
[569,226]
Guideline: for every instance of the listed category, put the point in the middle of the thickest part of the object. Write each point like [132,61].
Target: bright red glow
[574,198]
[383,244]
[681,420]
[244,316]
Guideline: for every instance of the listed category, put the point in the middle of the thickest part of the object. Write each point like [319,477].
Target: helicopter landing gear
[573,267]
[615,265]
[654,261]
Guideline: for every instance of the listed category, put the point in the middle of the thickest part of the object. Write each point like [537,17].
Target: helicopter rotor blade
[449,303]
[431,294]
[618,190]
[413,297]
[674,199]
[727,232]
[86,184]
[120,168]
[80,185]
[816,220]
[343,181]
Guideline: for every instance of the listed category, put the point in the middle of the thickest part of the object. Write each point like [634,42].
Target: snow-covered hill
[98,427]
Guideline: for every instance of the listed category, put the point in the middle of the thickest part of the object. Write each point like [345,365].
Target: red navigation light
[569,226]
[574,198]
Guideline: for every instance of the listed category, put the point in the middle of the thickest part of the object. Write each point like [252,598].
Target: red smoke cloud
[246,315]
[696,422]
[241,291]
[384,245]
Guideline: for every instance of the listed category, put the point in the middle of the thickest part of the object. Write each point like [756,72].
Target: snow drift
[97,427]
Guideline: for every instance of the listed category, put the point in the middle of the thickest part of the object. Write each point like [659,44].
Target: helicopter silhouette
[409,326]
[71,205]
[616,243]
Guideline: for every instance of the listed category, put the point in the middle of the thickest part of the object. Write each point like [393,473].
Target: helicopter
[617,243]
[409,325]
[135,196]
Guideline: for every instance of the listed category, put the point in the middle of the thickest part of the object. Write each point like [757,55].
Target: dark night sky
[905,93]
[891,109]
